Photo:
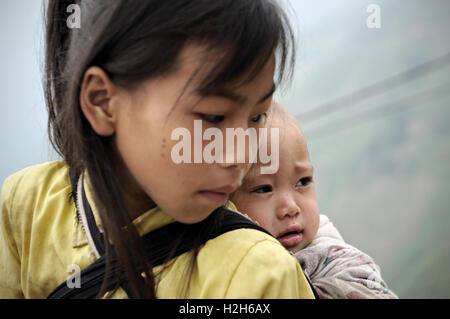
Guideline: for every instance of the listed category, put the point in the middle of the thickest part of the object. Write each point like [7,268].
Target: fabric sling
[159,245]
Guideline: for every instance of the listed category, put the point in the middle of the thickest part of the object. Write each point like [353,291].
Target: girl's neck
[136,200]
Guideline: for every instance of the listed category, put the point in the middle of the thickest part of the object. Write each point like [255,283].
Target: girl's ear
[99,99]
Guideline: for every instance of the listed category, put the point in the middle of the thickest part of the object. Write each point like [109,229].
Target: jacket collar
[145,223]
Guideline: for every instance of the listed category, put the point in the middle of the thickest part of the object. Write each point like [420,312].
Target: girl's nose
[288,207]
[234,164]
[240,147]
[230,164]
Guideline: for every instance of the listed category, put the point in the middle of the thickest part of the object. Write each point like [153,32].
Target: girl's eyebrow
[228,94]
[268,94]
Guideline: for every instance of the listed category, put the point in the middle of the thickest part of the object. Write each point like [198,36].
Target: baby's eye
[259,117]
[303,182]
[214,119]
[262,189]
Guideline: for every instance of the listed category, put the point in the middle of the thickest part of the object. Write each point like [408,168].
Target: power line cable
[380,111]
[374,89]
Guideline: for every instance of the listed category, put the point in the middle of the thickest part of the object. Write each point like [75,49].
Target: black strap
[158,245]
[316,295]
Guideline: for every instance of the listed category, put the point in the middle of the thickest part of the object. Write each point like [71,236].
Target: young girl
[116,88]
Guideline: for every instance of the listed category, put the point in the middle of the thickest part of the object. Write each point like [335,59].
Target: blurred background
[371,91]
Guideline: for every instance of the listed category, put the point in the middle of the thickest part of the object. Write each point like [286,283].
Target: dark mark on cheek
[163,145]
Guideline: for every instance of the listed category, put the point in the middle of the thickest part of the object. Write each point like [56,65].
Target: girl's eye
[214,119]
[303,182]
[258,117]
[263,189]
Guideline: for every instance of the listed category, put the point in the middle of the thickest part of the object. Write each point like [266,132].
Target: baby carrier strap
[159,245]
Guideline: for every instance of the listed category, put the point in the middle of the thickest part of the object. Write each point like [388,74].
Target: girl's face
[284,203]
[188,192]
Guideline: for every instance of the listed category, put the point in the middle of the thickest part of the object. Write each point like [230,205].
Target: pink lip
[219,196]
[215,197]
[228,189]
[291,237]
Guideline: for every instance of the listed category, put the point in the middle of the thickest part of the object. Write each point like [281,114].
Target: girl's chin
[186,216]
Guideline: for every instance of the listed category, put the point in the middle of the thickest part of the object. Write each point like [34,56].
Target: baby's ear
[98,101]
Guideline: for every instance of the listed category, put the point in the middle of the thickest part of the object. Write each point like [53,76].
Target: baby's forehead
[253,174]
[292,144]
[290,132]
[292,154]
[282,119]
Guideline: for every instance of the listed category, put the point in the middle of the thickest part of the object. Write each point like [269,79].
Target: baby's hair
[136,40]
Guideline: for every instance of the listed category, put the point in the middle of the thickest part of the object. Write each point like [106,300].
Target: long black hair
[136,40]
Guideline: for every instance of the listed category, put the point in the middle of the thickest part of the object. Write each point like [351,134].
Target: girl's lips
[215,197]
[291,239]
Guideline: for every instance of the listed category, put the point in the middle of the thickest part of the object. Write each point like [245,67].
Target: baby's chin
[297,248]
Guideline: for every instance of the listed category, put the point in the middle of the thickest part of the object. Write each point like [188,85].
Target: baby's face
[284,203]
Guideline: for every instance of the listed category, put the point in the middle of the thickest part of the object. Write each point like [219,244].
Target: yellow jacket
[41,244]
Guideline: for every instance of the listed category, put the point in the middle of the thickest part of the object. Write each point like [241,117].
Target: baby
[285,204]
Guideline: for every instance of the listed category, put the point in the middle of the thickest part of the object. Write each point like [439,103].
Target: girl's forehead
[208,68]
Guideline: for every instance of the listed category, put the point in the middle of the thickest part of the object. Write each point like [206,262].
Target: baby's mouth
[291,238]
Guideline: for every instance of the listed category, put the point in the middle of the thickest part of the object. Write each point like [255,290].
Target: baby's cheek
[315,221]
[246,205]
[239,200]
[312,215]
[252,210]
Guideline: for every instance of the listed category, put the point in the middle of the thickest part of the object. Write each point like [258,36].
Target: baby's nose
[288,207]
